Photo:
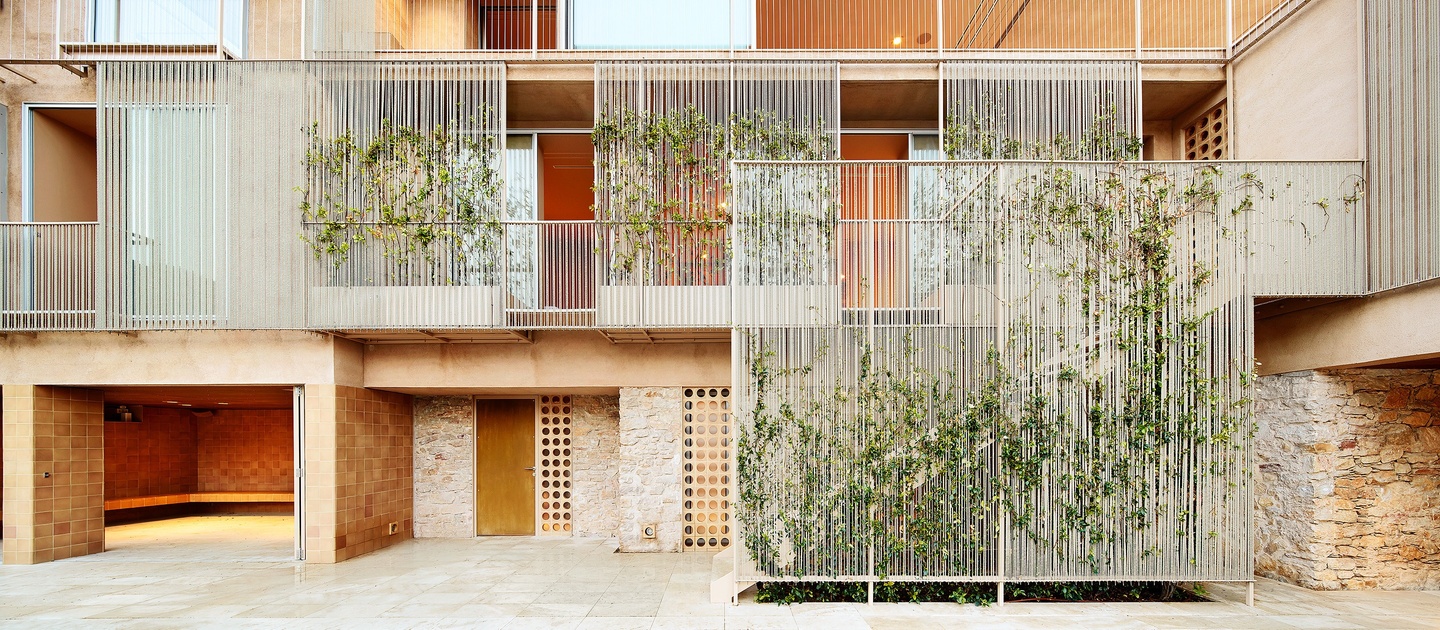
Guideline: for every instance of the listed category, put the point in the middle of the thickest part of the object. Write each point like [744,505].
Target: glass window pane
[668,24]
[168,22]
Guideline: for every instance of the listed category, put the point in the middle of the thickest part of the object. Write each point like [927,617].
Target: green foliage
[1079,421]
[980,593]
[412,191]
[977,136]
[663,184]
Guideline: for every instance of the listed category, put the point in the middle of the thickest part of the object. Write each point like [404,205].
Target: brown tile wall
[358,471]
[154,456]
[246,451]
[60,431]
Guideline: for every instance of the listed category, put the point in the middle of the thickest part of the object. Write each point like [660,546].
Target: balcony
[1155,29]
[49,279]
[813,244]
[170,29]
[88,30]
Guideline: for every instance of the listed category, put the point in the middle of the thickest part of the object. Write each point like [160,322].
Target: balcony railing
[49,277]
[1187,29]
[550,274]
[812,244]
[99,29]
[301,29]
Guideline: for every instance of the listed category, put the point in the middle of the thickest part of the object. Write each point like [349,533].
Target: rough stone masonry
[444,467]
[651,420]
[1347,492]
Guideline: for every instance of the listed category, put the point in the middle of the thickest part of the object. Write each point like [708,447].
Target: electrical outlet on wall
[394,528]
[647,531]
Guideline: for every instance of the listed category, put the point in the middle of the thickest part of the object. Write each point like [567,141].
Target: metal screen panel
[431,142]
[1403,141]
[665,134]
[1040,109]
[1308,228]
[353,29]
[198,173]
[204,182]
[1024,371]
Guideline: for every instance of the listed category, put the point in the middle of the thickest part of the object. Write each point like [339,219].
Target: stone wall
[444,467]
[650,468]
[1348,484]
[595,465]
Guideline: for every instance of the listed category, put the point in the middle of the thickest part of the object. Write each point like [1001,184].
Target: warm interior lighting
[899,39]
[222,403]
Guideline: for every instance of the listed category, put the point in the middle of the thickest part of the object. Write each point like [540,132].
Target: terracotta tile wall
[154,456]
[358,467]
[246,451]
[60,431]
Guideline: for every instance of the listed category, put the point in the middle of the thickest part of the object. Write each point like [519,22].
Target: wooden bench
[199,497]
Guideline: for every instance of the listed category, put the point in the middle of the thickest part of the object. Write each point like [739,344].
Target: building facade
[915,289]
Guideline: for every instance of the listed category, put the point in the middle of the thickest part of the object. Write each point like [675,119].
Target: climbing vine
[977,136]
[1108,404]
[663,190]
[427,197]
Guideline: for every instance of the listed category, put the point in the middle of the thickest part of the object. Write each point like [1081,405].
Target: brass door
[505,467]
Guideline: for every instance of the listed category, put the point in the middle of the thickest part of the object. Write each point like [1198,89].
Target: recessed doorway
[505,467]
[201,472]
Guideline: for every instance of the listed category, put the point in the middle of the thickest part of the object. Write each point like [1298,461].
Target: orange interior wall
[155,456]
[172,451]
[246,451]
[567,175]
[845,24]
[879,190]
[510,29]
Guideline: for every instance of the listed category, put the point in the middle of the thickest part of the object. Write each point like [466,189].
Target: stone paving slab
[202,574]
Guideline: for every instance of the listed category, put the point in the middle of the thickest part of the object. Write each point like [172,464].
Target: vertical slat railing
[49,278]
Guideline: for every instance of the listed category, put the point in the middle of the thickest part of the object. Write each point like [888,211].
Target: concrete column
[651,422]
[54,473]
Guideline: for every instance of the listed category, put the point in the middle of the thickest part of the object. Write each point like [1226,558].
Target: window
[169,22]
[667,24]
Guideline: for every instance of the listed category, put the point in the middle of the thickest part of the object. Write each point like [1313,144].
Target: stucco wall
[1348,484]
[1383,328]
[575,361]
[1298,95]
[197,357]
[444,467]
[650,492]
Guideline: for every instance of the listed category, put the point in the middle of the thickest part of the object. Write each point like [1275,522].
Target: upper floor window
[660,24]
[170,23]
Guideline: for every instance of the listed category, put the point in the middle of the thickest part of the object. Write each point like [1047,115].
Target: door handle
[531,469]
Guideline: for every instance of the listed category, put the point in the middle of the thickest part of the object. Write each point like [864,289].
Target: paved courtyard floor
[234,572]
